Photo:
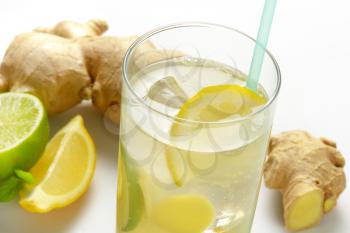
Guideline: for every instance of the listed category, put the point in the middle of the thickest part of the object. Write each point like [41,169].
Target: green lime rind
[24,133]
[134,192]
[26,152]
[136,207]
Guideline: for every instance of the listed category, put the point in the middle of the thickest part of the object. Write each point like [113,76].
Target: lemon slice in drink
[184,214]
[214,103]
[210,104]
[64,172]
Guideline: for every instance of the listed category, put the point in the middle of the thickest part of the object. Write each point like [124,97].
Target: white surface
[309,40]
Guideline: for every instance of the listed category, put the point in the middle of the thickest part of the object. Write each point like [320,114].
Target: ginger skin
[70,62]
[104,58]
[50,67]
[70,29]
[308,172]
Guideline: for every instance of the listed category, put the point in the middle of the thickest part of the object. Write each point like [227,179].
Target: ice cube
[168,92]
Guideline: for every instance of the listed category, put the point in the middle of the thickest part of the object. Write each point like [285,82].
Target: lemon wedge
[210,104]
[64,172]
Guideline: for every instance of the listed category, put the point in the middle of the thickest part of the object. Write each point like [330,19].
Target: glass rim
[157,30]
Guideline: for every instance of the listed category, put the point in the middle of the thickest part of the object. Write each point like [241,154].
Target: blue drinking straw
[261,42]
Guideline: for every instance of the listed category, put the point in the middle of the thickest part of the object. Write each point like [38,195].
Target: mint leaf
[27,177]
[9,188]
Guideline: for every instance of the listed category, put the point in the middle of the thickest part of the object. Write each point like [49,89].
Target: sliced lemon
[210,104]
[184,214]
[214,103]
[64,172]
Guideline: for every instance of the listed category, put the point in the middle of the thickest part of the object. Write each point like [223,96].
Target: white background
[310,40]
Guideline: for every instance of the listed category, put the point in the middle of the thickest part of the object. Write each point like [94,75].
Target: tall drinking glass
[190,158]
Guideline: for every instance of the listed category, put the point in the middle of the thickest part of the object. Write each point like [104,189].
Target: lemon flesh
[214,103]
[210,104]
[64,172]
[184,214]
[24,131]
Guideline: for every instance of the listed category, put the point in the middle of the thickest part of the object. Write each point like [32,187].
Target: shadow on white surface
[16,220]
[276,206]
[331,222]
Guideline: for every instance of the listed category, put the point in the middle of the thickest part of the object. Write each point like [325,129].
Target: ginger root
[70,29]
[50,67]
[70,62]
[308,171]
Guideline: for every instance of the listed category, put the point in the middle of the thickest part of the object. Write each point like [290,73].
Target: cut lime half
[24,132]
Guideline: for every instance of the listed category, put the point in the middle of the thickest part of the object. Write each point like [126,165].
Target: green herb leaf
[27,177]
[9,188]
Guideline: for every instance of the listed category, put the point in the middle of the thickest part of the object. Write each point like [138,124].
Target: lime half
[24,132]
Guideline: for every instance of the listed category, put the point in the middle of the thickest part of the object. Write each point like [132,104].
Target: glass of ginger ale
[193,137]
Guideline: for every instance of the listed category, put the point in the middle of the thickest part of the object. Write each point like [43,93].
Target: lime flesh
[24,132]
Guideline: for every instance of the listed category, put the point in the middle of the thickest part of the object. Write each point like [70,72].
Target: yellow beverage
[202,177]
